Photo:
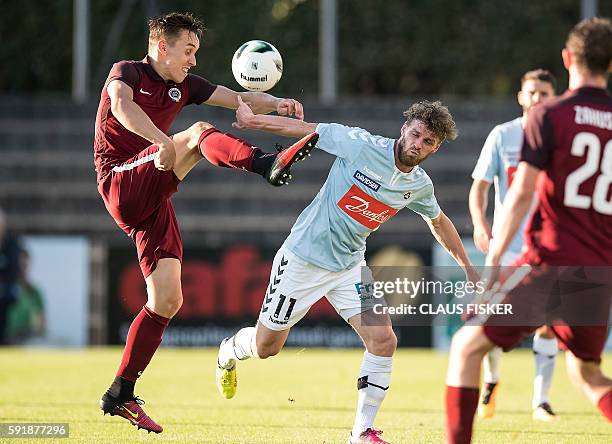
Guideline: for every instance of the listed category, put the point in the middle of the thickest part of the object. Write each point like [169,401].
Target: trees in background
[455,47]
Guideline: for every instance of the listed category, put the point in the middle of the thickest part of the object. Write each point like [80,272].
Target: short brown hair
[169,26]
[436,118]
[590,43]
[542,75]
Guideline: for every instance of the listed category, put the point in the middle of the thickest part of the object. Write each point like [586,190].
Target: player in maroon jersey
[139,167]
[568,139]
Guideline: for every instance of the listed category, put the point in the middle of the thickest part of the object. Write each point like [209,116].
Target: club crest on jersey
[407,194]
[368,182]
[174,93]
[365,209]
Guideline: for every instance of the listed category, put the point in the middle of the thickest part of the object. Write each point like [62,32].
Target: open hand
[482,238]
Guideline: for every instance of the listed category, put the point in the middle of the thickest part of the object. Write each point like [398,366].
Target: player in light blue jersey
[372,178]
[497,163]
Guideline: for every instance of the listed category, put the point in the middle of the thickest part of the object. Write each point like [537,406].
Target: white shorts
[296,285]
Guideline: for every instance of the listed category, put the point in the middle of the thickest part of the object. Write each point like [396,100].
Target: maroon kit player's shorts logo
[365,209]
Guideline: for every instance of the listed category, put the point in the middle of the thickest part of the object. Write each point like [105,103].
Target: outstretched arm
[285,126]
[478,211]
[260,102]
[446,234]
[517,205]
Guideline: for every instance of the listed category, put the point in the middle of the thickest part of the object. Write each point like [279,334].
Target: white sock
[490,365]
[239,347]
[372,385]
[545,353]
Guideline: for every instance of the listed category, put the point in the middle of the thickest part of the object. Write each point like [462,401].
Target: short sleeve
[200,89]
[487,166]
[538,141]
[126,72]
[341,141]
[425,203]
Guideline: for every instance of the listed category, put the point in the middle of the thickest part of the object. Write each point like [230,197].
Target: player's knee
[382,343]
[177,302]
[199,127]
[590,373]
[469,341]
[195,131]
[267,349]
[173,303]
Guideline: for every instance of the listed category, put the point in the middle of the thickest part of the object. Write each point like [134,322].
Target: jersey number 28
[599,200]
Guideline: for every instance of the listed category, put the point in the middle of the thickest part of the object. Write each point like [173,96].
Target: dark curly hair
[436,118]
[169,26]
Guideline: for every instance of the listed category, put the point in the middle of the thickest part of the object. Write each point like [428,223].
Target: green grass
[301,396]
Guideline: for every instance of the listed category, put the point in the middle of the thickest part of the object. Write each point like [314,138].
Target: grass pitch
[301,396]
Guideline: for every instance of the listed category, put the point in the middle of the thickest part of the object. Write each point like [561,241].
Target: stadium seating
[47,179]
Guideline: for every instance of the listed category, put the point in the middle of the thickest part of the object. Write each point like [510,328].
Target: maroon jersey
[159,99]
[569,139]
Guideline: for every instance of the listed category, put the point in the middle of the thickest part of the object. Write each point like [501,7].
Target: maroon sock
[461,404]
[227,151]
[143,338]
[605,405]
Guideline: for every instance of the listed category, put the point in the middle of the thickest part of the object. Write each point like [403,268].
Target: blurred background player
[26,317]
[568,139]
[139,167]
[9,275]
[497,164]
[372,178]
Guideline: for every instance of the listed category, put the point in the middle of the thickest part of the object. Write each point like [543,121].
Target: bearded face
[416,143]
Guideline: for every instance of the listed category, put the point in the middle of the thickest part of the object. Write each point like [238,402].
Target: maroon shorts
[587,316]
[585,342]
[137,195]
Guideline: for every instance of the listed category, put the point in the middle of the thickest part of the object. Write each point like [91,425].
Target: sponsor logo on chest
[372,173]
[512,155]
[510,160]
[367,181]
[365,209]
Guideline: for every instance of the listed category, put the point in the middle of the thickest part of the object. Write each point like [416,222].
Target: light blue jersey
[497,164]
[363,190]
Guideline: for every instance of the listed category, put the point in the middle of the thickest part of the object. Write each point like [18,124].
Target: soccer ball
[257,65]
